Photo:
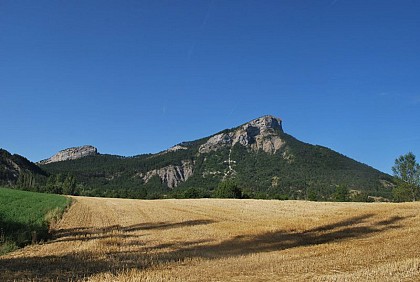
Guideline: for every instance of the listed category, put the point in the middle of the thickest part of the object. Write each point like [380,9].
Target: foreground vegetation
[102,239]
[26,216]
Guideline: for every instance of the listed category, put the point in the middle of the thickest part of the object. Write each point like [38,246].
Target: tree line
[306,178]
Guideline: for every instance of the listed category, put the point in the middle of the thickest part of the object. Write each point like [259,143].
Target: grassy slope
[23,212]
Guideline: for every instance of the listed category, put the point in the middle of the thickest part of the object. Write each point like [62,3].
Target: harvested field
[225,240]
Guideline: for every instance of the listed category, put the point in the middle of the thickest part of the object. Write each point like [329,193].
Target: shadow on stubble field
[81,265]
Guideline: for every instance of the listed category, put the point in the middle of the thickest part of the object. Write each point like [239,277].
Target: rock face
[172,175]
[260,133]
[72,154]
[173,149]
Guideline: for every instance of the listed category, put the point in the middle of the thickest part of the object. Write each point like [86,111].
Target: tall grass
[25,217]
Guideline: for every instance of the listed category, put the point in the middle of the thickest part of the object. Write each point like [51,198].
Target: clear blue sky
[132,77]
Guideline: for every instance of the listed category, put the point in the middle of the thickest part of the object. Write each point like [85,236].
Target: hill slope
[17,170]
[259,155]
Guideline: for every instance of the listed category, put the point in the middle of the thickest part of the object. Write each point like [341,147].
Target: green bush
[7,247]
[312,195]
[402,193]
[228,189]
[191,193]
[341,194]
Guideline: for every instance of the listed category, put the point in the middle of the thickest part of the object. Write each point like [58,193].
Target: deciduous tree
[407,170]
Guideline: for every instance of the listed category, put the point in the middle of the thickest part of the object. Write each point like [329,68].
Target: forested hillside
[17,170]
[262,160]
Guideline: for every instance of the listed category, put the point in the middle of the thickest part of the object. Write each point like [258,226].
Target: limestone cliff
[260,133]
[171,175]
[72,154]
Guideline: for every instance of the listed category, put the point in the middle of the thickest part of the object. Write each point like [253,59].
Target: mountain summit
[261,133]
[258,155]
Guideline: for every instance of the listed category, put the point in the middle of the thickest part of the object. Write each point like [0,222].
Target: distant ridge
[73,153]
[258,155]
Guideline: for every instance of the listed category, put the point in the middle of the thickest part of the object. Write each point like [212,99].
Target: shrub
[341,194]
[402,192]
[228,189]
[192,193]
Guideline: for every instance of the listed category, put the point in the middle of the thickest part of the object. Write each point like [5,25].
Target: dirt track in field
[224,240]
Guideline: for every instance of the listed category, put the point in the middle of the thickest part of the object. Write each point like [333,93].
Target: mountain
[259,156]
[15,169]
[71,154]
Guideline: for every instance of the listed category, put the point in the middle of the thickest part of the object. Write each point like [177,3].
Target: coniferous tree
[228,189]
[69,185]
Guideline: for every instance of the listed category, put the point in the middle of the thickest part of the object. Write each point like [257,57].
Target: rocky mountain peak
[261,133]
[264,123]
[72,154]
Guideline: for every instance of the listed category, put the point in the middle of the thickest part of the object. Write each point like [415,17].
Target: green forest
[297,171]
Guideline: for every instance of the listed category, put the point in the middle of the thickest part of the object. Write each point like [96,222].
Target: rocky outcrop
[176,148]
[171,175]
[173,149]
[261,133]
[72,154]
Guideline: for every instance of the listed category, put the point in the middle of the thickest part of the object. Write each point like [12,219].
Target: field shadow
[82,265]
[90,233]
[281,240]
[21,233]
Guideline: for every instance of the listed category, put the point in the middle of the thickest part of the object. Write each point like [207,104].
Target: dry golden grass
[225,240]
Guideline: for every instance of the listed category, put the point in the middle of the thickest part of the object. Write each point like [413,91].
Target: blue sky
[132,77]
